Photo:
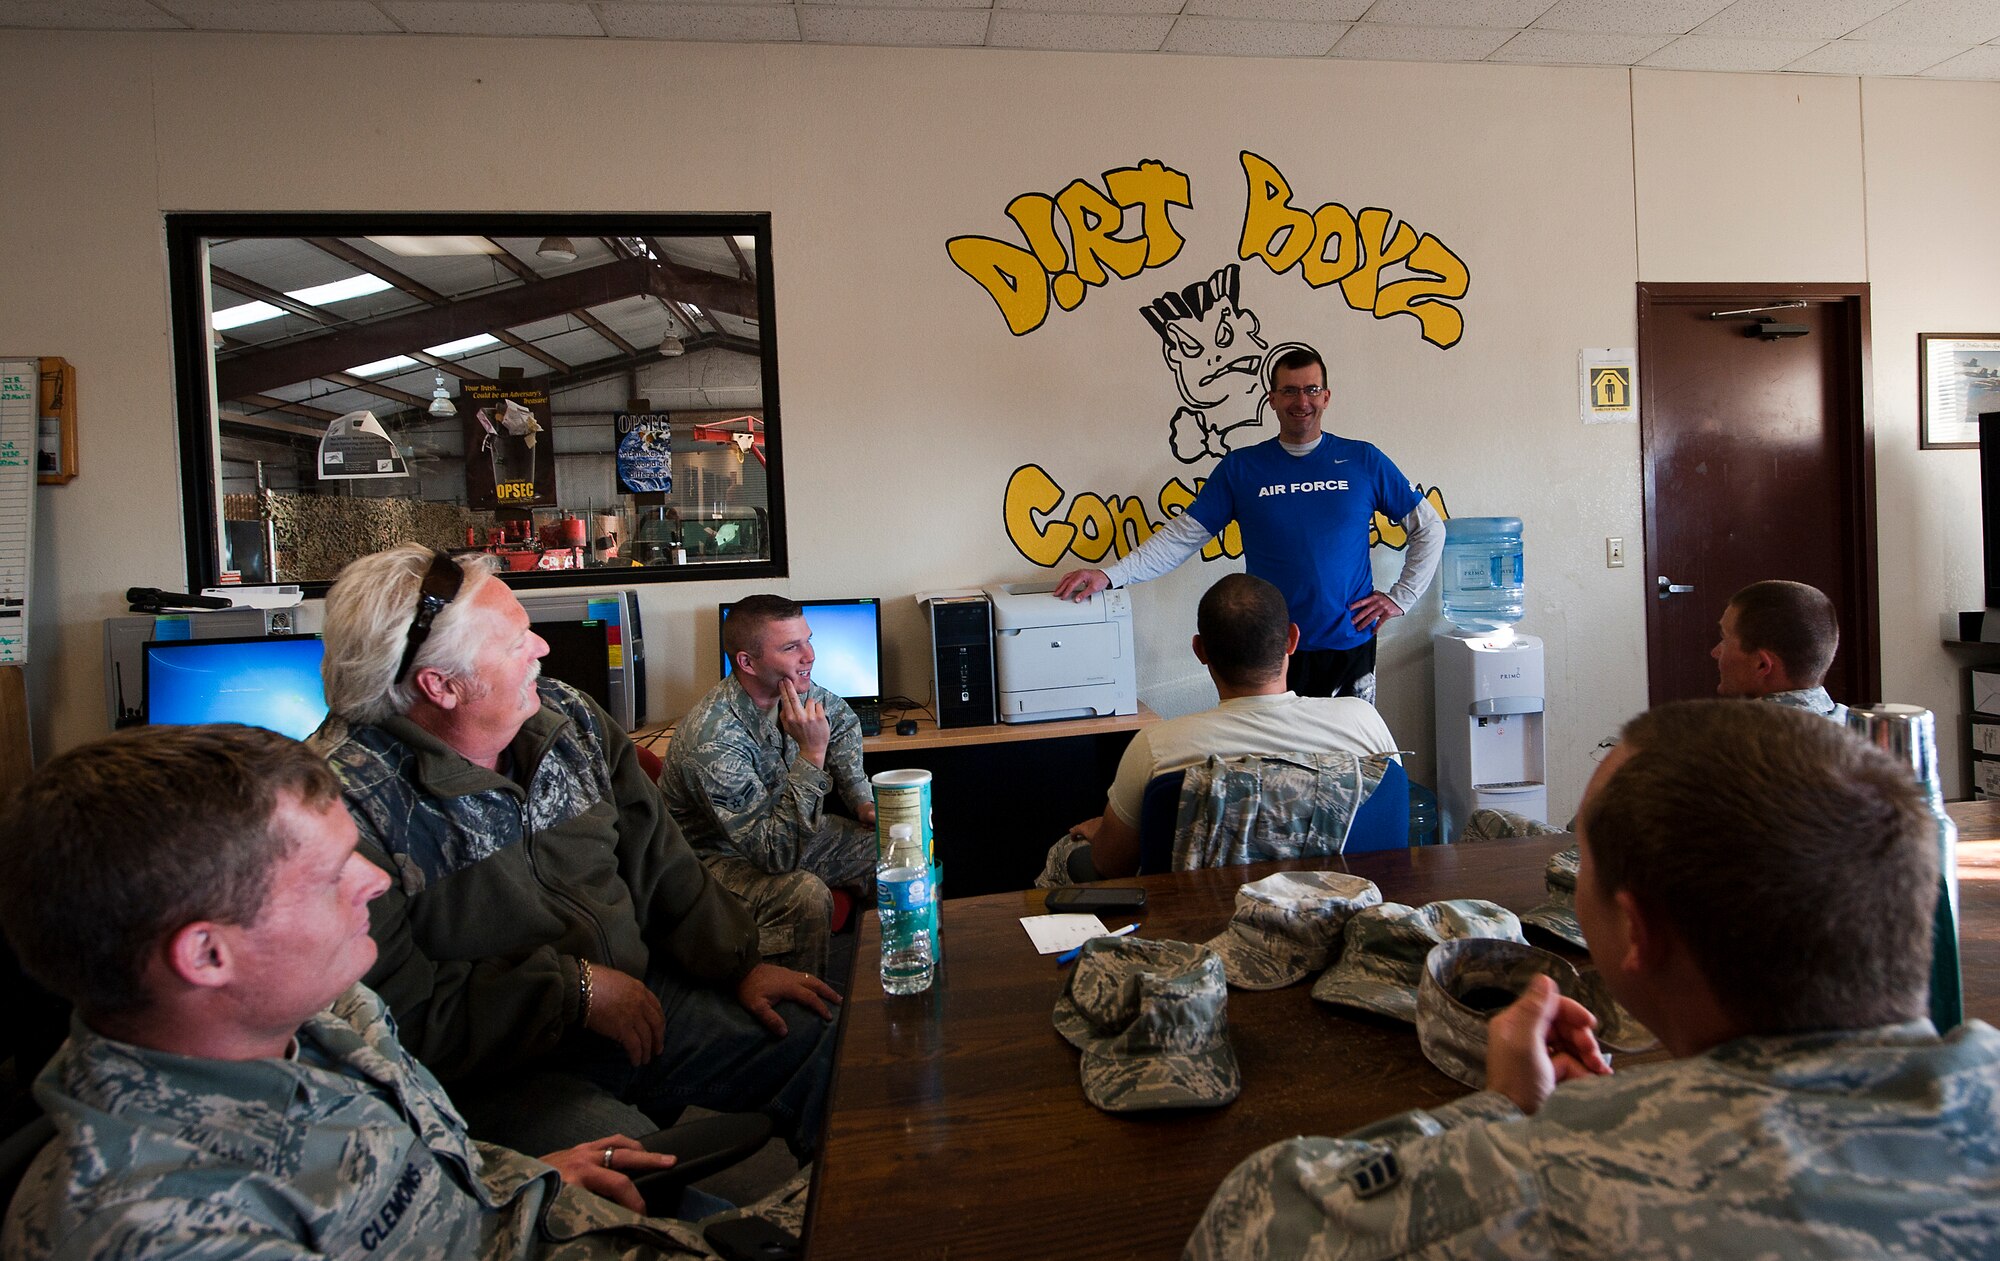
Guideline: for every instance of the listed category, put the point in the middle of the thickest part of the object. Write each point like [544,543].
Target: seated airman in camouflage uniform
[1245,636]
[550,946]
[228,1088]
[747,778]
[1757,887]
[1775,643]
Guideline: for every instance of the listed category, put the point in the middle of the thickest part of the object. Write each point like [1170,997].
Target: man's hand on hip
[1370,611]
[805,722]
[624,1010]
[1081,584]
[767,985]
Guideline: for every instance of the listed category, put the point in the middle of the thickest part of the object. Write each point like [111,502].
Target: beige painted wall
[907,403]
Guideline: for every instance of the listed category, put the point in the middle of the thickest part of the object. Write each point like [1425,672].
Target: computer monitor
[847,646]
[270,682]
[595,646]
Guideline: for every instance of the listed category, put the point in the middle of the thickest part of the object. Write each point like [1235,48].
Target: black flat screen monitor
[1989,487]
[595,646]
[847,646]
[271,682]
[580,655]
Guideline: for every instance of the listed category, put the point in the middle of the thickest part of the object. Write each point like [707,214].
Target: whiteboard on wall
[20,388]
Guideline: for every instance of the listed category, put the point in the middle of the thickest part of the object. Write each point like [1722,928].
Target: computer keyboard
[870,714]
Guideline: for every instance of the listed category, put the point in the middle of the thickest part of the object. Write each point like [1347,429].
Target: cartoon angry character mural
[1215,348]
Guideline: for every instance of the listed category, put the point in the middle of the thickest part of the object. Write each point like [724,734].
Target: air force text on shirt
[1300,488]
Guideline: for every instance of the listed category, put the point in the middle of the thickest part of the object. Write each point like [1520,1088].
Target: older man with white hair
[550,946]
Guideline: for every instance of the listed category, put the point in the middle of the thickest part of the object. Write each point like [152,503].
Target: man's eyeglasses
[1293,393]
[441,584]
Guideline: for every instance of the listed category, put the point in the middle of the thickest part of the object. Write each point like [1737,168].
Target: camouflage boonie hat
[1557,916]
[1464,983]
[1151,1020]
[1382,958]
[1287,926]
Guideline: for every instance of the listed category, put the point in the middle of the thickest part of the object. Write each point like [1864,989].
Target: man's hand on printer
[804,721]
[1081,584]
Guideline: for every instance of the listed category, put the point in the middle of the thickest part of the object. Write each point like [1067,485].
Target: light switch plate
[1614,553]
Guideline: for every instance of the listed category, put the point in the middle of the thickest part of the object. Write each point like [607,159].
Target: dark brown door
[1758,464]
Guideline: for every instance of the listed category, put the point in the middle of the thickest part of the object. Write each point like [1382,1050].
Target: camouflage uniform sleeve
[843,753]
[170,1227]
[1468,1192]
[768,829]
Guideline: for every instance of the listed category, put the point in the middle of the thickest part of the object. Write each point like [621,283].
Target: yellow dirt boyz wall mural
[1215,348]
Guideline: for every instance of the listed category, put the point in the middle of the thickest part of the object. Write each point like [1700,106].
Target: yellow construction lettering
[1333,245]
[1118,230]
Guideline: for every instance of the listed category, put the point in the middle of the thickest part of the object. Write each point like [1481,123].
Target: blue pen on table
[1070,956]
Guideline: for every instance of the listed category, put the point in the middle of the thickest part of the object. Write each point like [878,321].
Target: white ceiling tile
[1105,7]
[1794,19]
[920,28]
[493,17]
[1575,48]
[1078,32]
[1238,37]
[1975,63]
[1279,10]
[1371,41]
[647,4]
[1717,52]
[1936,22]
[910,4]
[1876,57]
[728,23]
[1629,17]
[1464,13]
[343,17]
[87,15]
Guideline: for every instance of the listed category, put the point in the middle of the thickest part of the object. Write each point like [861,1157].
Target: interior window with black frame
[590,398]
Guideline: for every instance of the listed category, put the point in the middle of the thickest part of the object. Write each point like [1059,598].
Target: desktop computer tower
[962,661]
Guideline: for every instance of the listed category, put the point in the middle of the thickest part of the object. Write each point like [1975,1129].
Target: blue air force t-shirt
[1305,525]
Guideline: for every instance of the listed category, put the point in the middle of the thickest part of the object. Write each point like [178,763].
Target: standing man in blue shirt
[1304,501]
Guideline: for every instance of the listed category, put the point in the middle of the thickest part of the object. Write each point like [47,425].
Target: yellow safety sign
[1610,389]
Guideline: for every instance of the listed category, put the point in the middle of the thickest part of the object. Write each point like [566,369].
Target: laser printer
[1060,658]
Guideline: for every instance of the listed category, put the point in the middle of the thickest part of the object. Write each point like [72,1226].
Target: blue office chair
[1382,822]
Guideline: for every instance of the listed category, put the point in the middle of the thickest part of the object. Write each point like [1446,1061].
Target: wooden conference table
[958,1128]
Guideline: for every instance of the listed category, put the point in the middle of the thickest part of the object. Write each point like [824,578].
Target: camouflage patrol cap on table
[1557,916]
[1151,1019]
[1382,955]
[1287,926]
[1464,984]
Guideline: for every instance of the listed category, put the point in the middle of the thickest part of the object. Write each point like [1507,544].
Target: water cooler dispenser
[1491,747]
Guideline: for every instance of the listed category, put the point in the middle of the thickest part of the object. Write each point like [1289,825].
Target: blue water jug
[1482,589]
[1423,816]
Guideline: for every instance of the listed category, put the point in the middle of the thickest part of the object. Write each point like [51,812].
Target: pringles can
[903,797]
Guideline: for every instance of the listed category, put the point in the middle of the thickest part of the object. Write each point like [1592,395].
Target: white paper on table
[1053,934]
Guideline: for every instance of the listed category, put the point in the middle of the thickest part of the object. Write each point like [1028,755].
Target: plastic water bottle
[1483,573]
[903,897]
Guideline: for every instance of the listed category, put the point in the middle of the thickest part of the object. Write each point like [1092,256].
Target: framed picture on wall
[1958,377]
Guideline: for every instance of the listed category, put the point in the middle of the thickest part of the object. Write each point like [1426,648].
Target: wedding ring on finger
[607,1156]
